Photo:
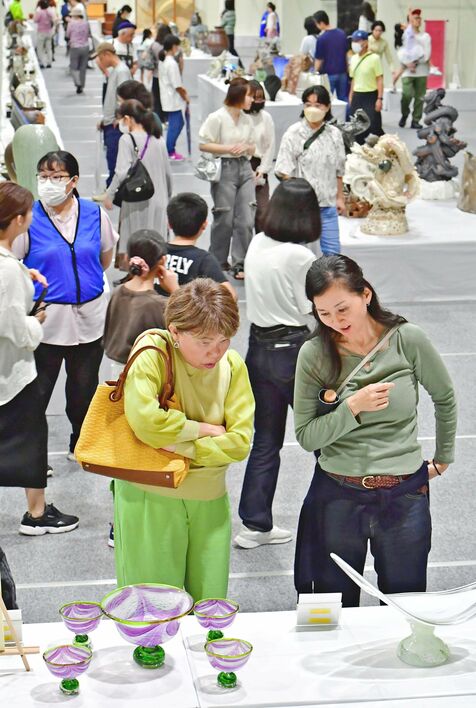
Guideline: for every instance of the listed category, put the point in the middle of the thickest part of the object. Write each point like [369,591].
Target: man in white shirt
[414,78]
[124,47]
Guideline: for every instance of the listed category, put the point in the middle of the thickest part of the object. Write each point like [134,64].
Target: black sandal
[238,272]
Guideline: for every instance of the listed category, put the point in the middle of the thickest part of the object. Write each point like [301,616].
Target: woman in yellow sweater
[182,536]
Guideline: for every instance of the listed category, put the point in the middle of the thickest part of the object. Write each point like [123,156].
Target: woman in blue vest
[70,241]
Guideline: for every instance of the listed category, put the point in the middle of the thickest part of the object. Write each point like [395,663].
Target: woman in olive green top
[181,536]
[371,481]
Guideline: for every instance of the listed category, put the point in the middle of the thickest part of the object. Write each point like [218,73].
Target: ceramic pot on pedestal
[217,41]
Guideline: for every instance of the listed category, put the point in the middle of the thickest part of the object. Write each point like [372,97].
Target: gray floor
[52,570]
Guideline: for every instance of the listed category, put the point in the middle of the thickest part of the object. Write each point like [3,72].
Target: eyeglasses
[56,179]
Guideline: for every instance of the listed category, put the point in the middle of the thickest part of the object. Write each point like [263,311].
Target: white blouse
[264,137]
[220,128]
[20,334]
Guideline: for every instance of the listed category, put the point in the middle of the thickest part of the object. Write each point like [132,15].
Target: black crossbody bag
[137,185]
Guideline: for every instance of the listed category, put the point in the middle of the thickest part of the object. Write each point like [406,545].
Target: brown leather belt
[372,481]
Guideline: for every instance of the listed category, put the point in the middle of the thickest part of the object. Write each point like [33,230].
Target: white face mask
[52,194]
[123,127]
[356,47]
[314,114]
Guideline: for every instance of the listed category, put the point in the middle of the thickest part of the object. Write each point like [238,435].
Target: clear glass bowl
[215,614]
[227,656]
[81,618]
[147,615]
[67,662]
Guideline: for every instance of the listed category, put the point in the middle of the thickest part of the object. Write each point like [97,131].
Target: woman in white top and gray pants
[228,133]
[265,141]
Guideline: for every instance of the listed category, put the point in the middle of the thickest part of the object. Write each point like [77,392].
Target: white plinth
[194,65]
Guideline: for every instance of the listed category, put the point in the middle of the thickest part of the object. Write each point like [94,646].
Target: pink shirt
[78,33]
[45,20]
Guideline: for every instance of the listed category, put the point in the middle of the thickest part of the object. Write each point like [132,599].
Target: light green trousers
[178,542]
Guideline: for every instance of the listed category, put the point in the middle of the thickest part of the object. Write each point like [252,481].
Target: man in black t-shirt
[187,214]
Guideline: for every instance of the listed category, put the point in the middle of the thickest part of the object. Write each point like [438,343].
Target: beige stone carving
[467,195]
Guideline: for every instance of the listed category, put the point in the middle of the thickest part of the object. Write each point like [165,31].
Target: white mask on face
[123,127]
[52,194]
[356,47]
[314,114]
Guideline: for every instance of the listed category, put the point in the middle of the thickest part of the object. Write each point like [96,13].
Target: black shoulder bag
[137,185]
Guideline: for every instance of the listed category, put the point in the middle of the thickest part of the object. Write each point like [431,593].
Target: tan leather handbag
[107,444]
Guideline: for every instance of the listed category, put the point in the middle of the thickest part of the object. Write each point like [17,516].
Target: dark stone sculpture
[433,164]
[356,125]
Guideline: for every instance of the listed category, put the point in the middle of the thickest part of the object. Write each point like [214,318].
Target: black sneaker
[402,122]
[416,125]
[52,521]
[110,540]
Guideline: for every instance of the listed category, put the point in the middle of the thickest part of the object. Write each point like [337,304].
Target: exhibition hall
[237,344]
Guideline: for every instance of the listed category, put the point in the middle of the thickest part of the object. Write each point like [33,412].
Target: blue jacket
[73,270]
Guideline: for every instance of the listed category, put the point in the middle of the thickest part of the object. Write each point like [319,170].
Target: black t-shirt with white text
[190,262]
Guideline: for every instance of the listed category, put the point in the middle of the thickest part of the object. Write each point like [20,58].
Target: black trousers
[271,362]
[367,101]
[82,362]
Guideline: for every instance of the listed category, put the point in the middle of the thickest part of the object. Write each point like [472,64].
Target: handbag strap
[136,150]
[168,387]
[366,358]
[313,137]
[361,60]
[144,148]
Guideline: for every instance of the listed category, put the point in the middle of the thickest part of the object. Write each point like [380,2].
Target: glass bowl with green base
[82,618]
[227,656]
[67,662]
[147,615]
[215,614]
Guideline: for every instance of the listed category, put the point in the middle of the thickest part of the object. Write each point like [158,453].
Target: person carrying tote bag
[182,536]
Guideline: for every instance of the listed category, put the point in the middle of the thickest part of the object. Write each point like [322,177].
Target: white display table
[112,679]
[285,110]
[433,261]
[194,65]
[349,666]
[461,99]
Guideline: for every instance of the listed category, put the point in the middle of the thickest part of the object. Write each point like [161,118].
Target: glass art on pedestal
[227,656]
[424,610]
[215,615]
[147,615]
[67,662]
[81,618]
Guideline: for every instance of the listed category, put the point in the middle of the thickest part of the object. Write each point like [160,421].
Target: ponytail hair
[134,109]
[170,41]
[147,246]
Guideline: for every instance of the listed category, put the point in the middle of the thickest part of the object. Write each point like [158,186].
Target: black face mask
[256,107]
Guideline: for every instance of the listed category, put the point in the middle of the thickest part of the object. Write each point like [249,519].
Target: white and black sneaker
[52,521]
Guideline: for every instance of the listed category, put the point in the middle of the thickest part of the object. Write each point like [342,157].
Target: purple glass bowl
[215,614]
[228,654]
[67,662]
[147,615]
[81,617]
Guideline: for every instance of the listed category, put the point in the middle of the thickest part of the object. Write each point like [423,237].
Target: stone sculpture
[356,125]
[383,175]
[433,159]
[467,194]
[198,33]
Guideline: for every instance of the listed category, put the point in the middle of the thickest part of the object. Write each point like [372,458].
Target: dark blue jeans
[176,123]
[111,136]
[340,84]
[271,362]
[340,518]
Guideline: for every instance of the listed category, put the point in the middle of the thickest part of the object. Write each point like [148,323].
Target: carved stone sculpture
[433,158]
[198,33]
[467,194]
[384,176]
[356,125]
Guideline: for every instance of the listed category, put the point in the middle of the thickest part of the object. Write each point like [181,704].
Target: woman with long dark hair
[71,241]
[313,149]
[275,266]
[23,427]
[138,125]
[371,481]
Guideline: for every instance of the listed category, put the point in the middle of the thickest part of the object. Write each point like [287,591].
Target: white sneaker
[70,456]
[247,538]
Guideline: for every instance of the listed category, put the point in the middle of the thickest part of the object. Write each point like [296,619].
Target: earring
[176,344]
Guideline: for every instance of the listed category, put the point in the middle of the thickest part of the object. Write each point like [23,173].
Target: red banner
[437,31]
